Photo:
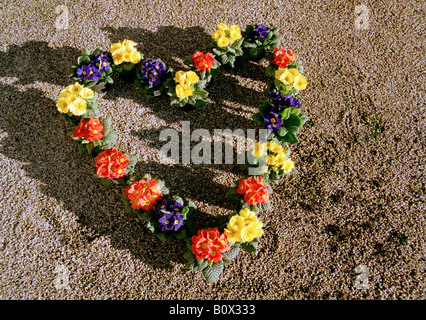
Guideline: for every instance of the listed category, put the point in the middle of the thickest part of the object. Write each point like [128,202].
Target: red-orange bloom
[254,190]
[90,130]
[111,164]
[143,194]
[283,57]
[203,61]
[209,244]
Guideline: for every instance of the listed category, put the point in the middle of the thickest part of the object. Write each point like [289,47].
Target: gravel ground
[358,199]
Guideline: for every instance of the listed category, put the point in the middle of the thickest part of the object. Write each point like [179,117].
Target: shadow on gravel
[34,134]
[35,61]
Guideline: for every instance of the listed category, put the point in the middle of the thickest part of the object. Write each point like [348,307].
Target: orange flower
[90,130]
[283,57]
[254,190]
[111,164]
[202,61]
[143,194]
[209,244]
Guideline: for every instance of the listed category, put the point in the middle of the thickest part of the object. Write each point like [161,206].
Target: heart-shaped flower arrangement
[170,217]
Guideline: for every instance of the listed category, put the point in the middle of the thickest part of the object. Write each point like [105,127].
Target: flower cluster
[282,101]
[225,35]
[111,164]
[291,77]
[90,129]
[184,81]
[283,57]
[154,72]
[276,157]
[244,226]
[125,52]
[260,33]
[203,62]
[209,244]
[143,194]
[254,190]
[170,215]
[74,99]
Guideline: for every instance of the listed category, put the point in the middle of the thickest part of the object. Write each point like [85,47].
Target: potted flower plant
[94,135]
[205,64]
[226,44]
[185,88]
[259,40]
[125,57]
[151,77]
[93,70]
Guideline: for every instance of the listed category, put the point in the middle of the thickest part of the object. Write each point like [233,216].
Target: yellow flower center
[176,221]
[120,170]
[95,131]
[204,245]
[84,72]
[166,222]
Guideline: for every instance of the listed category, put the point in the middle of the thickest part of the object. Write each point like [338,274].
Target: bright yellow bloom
[259,150]
[125,52]
[73,99]
[274,147]
[300,82]
[288,166]
[253,230]
[87,93]
[183,91]
[218,34]
[222,26]
[191,77]
[243,227]
[180,77]
[62,105]
[234,33]
[285,76]
[222,42]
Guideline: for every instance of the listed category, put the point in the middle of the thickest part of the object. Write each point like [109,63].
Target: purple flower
[170,206]
[272,119]
[101,61]
[260,33]
[170,221]
[89,72]
[154,71]
[282,101]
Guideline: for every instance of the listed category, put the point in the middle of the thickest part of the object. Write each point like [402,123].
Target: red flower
[254,190]
[209,244]
[203,61]
[111,164]
[283,57]
[90,130]
[143,194]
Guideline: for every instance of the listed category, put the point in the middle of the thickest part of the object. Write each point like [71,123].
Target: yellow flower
[118,57]
[135,57]
[243,227]
[222,26]
[233,229]
[288,166]
[129,45]
[235,33]
[259,150]
[180,77]
[274,147]
[87,93]
[183,91]
[191,77]
[115,47]
[75,88]
[222,41]
[253,230]
[300,82]
[62,105]
[284,75]
[218,34]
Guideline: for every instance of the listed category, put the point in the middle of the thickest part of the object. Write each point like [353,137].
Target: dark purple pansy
[283,101]
[89,72]
[101,61]
[272,119]
[154,71]
[260,32]
[170,221]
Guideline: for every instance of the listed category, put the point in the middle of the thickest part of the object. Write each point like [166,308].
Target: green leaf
[258,118]
[285,114]
[251,247]
[282,132]
[191,263]
[213,273]
[293,121]
[202,264]
[232,253]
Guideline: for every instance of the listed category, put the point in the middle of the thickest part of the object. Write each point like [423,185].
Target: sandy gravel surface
[358,199]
